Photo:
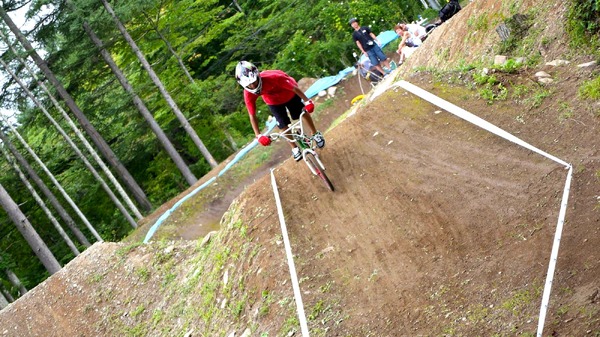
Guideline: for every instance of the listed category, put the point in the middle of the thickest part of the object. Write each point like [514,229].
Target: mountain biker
[281,93]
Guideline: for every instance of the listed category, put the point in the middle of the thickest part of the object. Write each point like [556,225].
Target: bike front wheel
[320,172]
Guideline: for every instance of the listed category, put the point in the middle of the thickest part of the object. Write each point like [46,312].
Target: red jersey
[277,88]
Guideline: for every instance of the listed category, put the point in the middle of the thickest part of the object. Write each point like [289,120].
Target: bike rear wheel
[312,161]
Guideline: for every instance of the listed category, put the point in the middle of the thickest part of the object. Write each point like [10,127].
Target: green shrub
[583,25]
[590,89]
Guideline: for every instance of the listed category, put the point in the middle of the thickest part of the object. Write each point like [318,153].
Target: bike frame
[305,143]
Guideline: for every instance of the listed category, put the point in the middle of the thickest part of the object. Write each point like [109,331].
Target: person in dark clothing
[368,45]
[448,11]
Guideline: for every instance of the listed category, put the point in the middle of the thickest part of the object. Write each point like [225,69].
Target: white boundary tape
[469,117]
[455,110]
[554,254]
[290,260]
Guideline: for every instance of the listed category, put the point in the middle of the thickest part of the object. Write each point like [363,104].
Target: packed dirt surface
[437,227]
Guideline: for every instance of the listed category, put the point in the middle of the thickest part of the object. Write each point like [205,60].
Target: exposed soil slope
[436,227]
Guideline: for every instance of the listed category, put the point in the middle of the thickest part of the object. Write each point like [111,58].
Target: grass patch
[96,278]
[590,89]
[138,311]
[537,98]
[143,273]
[121,252]
[479,22]
[265,306]
[565,111]
[583,26]
[521,299]
[511,66]
[492,93]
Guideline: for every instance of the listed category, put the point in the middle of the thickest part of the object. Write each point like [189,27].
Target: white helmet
[246,73]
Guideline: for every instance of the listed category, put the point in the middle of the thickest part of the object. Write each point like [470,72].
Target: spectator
[409,42]
[368,45]
[449,9]
[369,72]
[414,29]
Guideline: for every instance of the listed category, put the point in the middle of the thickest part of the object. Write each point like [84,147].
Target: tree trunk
[14,280]
[170,48]
[184,122]
[238,6]
[4,301]
[139,104]
[185,70]
[46,191]
[86,162]
[41,203]
[231,140]
[54,181]
[35,241]
[434,4]
[106,151]
[87,145]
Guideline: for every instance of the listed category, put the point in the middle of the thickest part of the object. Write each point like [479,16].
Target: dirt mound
[436,227]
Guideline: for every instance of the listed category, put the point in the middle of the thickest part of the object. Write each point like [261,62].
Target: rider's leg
[295,106]
[296,153]
[309,121]
[280,114]
[317,136]
[292,144]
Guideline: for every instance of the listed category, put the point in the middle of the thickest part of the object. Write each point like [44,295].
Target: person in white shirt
[413,28]
[411,37]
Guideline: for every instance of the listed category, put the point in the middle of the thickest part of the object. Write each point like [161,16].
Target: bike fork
[316,156]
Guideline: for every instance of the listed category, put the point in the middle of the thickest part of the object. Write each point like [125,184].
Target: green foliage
[590,89]
[479,22]
[583,25]
[6,261]
[482,78]
[519,26]
[511,66]
[537,98]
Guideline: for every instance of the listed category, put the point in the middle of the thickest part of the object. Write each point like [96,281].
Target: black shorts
[294,106]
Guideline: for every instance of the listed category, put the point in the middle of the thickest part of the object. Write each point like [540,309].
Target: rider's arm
[250,100]
[254,123]
[300,93]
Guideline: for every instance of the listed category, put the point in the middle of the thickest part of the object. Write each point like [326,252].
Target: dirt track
[420,197]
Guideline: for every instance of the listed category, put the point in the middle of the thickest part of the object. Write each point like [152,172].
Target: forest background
[192,46]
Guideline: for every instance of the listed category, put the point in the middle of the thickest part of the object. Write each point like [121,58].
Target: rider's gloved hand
[264,140]
[309,106]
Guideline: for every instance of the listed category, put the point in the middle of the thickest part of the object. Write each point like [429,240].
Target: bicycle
[307,145]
